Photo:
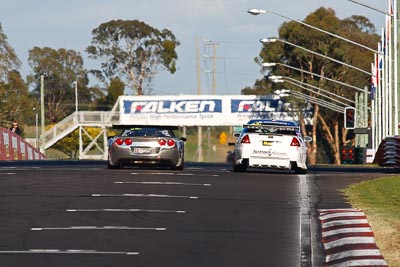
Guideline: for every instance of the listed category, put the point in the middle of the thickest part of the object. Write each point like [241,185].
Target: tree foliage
[356,28]
[14,95]
[16,103]
[61,68]
[8,58]
[114,90]
[69,145]
[134,50]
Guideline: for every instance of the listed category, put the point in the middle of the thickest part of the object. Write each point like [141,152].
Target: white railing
[76,119]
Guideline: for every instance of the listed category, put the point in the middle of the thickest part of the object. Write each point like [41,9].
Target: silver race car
[271,144]
[146,145]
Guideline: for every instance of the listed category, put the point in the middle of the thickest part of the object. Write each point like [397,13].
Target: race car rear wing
[128,126]
[258,126]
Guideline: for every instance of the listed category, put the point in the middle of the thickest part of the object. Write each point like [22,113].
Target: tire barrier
[14,147]
[388,153]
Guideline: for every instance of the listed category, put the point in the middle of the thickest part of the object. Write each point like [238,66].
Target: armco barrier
[14,147]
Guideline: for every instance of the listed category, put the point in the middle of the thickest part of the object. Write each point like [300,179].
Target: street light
[36,127]
[255,11]
[312,99]
[370,7]
[273,40]
[42,122]
[268,64]
[301,84]
[76,96]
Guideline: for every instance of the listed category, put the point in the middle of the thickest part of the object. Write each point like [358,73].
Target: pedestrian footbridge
[82,120]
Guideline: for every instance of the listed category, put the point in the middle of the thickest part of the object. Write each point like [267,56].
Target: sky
[69,24]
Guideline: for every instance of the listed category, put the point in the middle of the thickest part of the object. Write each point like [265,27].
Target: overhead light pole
[302,85]
[255,11]
[273,40]
[76,96]
[36,126]
[269,64]
[42,122]
[370,7]
[309,98]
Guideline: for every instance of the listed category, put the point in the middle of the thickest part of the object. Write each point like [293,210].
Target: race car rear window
[271,130]
[147,132]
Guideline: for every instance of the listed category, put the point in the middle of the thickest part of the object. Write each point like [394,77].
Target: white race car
[274,144]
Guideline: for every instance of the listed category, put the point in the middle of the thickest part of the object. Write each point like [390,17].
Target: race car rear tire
[300,171]
[180,166]
[239,168]
[113,167]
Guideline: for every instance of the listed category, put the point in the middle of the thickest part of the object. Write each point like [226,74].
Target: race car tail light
[295,142]
[128,141]
[169,142]
[245,139]
[119,141]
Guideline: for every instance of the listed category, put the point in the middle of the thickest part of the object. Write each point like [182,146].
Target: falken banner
[200,110]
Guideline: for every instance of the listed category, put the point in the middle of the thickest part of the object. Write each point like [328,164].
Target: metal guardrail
[14,147]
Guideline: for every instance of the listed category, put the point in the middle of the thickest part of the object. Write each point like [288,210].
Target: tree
[326,124]
[114,90]
[61,68]
[14,95]
[133,50]
[16,103]
[8,58]
[69,145]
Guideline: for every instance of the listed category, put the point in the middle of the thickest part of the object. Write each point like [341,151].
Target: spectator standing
[15,128]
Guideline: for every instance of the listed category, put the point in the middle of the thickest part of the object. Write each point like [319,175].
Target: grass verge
[380,200]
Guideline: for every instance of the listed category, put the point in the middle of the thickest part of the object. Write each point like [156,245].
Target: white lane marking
[305,230]
[67,251]
[344,222]
[162,183]
[341,214]
[88,227]
[360,262]
[125,210]
[352,253]
[347,230]
[163,173]
[142,195]
[349,241]
[8,173]
[175,173]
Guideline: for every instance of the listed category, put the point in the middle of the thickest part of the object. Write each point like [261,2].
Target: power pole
[214,68]
[198,67]
[214,62]
[396,64]
[199,129]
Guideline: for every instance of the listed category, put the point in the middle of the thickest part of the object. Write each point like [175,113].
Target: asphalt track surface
[78,213]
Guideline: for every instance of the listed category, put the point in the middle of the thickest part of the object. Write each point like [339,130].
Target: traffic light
[347,155]
[349,118]
[360,155]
